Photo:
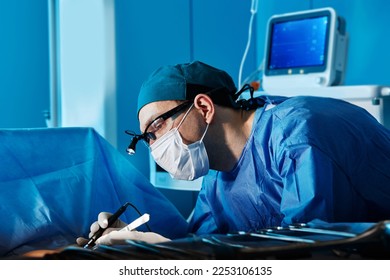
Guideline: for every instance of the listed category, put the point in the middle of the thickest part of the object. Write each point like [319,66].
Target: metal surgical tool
[321,231]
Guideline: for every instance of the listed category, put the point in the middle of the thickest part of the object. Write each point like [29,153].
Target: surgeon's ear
[205,106]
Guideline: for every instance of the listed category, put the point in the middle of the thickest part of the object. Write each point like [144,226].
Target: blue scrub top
[306,158]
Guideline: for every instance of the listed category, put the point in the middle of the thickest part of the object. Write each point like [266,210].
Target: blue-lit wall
[24,63]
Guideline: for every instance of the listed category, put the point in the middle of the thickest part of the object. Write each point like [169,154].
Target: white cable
[255,73]
[253,13]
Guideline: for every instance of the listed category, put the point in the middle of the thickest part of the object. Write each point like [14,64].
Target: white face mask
[184,162]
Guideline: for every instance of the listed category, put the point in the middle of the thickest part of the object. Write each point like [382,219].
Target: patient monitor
[306,54]
[305,49]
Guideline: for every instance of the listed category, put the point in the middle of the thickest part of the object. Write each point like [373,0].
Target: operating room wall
[368,28]
[24,63]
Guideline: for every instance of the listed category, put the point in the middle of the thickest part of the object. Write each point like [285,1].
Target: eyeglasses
[155,125]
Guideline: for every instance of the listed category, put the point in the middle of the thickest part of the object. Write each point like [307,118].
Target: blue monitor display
[298,45]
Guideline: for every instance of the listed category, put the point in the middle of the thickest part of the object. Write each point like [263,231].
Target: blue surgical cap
[171,82]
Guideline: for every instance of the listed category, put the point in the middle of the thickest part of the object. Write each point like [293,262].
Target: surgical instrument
[136,223]
[111,220]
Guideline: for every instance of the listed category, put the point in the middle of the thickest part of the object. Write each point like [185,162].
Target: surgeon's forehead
[152,110]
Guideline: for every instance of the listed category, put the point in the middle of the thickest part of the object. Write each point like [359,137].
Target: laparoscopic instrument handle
[111,220]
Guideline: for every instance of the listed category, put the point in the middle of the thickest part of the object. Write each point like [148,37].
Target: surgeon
[267,161]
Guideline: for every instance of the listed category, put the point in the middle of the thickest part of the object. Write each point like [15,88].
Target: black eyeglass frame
[165,116]
[147,136]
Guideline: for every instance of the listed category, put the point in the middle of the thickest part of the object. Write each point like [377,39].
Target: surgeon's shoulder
[307,106]
[317,101]
[289,107]
[296,117]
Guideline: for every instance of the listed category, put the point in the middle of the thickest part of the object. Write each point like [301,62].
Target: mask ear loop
[204,134]
[182,120]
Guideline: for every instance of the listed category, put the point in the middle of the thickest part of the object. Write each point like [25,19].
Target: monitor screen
[298,45]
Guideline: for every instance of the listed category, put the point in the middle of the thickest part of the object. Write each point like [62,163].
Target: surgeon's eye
[156,125]
[150,136]
[159,125]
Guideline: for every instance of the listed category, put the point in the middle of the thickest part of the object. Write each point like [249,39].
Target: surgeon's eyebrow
[156,115]
[150,120]
[144,126]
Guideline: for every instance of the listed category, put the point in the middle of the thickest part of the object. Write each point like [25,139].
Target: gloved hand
[113,235]
[101,222]
[120,237]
